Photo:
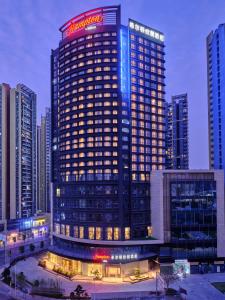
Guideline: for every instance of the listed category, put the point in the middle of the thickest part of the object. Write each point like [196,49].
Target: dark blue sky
[29,30]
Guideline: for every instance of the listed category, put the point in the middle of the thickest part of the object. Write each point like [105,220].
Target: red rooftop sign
[82,24]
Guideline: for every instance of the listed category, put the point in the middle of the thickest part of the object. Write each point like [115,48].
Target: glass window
[98,233]
[127,233]
[116,233]
[91,233]
[109,233]
[81,229]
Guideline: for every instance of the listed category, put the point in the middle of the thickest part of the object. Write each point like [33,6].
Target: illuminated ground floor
[126,271]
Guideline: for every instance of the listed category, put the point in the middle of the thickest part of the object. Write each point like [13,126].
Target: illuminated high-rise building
[177,137]
[4,151]
[215,44]
[22,152]
[44,162]
[108,133]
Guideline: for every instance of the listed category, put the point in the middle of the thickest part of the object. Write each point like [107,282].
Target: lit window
[58,192]
[91,233]
[76,232]
[109,233]
[149,230]
[127,233]
[67,230]
[81,229]
[116,233]
[98,233]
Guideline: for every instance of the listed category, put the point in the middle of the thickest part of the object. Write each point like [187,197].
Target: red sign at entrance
[101,257]
[82,24]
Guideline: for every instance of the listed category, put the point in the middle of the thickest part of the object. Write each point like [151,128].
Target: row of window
[147,75]
[89,79]
[88,37]
[88,63]
[104,52]
[89,96]
[89,45]
[90,154]
[146,51]
[95,87]
[146,42]
[87,105]
[91,130]
[90,163]
[82,73]
[93,233]
[91,70]
[147,59]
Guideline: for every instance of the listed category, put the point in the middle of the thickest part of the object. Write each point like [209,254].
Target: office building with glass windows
[177,138]
[188,215]
[108,133]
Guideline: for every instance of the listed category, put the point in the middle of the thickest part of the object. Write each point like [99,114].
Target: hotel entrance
[113,271]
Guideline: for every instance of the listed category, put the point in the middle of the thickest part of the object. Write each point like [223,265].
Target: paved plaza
[197,286]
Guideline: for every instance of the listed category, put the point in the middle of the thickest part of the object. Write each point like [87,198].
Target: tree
[24,237]
[21,277]
[6,275]
[137,273]
[21,249]
[169,279]
[32,247]
[79,291]
[36,283]
[10,253]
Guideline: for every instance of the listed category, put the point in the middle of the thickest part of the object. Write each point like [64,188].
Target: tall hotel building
[177,144]
[22,152]
[108,133]
[216,96]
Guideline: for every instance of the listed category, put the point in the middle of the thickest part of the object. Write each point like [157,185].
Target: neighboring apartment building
[4,151]
[177,138]
[44,162]
[22,152]
[216,96]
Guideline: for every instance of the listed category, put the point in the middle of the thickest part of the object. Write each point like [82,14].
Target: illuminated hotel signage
[101,257]
[105,257]
[146,30]
[83,24]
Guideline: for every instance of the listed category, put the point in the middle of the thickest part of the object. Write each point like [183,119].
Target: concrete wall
[157,218]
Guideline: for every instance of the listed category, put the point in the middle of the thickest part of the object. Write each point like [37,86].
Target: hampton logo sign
[83,24]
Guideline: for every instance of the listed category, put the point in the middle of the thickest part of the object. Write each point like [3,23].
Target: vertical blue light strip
[124,64]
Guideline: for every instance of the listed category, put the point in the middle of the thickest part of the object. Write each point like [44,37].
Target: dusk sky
[29,30]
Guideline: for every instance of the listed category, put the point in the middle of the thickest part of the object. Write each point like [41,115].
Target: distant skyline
[29,30]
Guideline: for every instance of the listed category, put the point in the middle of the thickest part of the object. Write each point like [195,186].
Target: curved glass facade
[107,127]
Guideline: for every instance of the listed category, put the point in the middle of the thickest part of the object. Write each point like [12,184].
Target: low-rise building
[188,215]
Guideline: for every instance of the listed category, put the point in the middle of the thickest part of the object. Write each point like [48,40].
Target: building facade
[22,152]
[188,215]
[4,150]
[22,237]
[44,162]
[177,138]
[108,133]
[216,96]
